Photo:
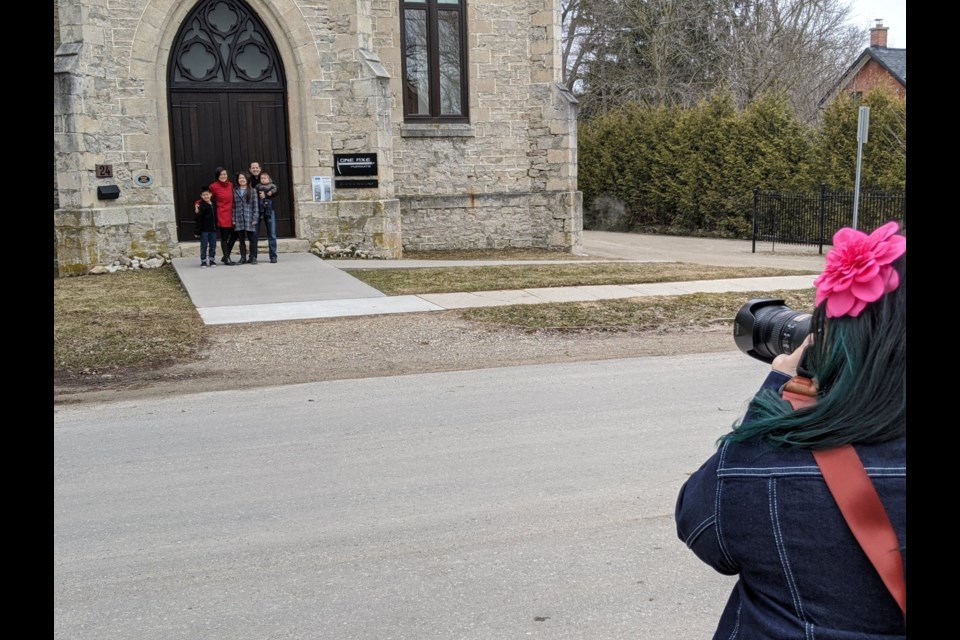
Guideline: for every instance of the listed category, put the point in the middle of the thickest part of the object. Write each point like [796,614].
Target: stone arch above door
[159,24]
[227,106]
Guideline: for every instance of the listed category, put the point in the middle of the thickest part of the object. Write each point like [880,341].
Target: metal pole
[823,214]
[863,125]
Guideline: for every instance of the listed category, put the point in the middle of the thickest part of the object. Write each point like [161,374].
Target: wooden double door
[211,129]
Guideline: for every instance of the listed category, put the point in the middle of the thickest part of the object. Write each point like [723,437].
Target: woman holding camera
[805,499]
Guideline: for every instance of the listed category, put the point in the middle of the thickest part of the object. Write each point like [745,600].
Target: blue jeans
[208,246]
[270,223]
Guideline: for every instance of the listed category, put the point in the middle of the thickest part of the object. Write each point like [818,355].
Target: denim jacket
[766,515]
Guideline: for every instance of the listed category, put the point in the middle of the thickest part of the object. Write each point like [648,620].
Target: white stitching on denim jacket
[700,528]
[736,625]
[781,549]
[716,507]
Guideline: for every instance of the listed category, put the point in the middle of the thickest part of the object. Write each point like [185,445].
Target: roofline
[855,68]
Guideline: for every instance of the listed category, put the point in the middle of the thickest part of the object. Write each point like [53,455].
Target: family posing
[235,209]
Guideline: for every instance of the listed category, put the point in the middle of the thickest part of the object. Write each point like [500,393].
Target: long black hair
[247,197]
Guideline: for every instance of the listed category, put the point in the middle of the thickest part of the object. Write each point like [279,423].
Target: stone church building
[386,124]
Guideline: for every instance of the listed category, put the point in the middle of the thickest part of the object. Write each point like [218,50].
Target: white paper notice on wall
[322,188]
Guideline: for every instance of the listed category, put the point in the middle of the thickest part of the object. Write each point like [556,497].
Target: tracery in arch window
[222,42]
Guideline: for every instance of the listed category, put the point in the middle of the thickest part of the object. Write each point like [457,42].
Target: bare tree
[802,46]
[674,52]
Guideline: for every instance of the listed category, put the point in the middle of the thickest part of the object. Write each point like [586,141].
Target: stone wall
[520,142]
[516,158]
[546,219]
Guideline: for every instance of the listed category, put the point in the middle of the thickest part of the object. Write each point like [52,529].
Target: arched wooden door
[227,96]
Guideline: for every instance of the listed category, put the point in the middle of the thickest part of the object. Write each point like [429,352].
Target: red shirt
[223,197]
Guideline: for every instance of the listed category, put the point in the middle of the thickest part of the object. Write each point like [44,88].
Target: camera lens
[765,327]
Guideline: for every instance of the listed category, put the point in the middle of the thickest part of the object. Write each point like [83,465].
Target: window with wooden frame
[434,42]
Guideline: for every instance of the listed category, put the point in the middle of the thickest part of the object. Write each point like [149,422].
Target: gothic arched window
[222,43]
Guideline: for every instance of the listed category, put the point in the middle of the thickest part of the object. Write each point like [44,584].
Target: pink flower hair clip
[859,269]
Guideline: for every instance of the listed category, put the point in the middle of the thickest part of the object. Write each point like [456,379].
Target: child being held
[265,192]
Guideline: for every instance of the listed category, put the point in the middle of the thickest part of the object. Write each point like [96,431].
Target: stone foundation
[89,237]
[545,220]
[372,226]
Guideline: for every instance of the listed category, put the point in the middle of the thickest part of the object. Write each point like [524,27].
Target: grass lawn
[667,313]
[145,318]
[123,319]
[397,282]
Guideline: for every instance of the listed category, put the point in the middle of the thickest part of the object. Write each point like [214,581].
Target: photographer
[770,506]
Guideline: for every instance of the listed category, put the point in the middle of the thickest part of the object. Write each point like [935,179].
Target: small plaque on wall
[104,170]
[355,164]
[357,184]
[143,179]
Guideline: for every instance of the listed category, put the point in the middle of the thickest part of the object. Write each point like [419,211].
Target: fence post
[903,199]
[756,207]
[823,214]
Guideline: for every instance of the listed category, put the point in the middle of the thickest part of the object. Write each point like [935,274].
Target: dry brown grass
[692,311]
[396,282]
[145,318]
[124,319]
[492,254]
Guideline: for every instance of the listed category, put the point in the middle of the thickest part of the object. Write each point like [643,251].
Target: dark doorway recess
[227,96]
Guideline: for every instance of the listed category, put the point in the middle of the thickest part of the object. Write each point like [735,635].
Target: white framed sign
[322,188]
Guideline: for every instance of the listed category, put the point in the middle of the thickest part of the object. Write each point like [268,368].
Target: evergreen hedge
[693,171]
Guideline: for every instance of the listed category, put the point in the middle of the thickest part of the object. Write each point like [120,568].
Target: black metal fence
[812,218]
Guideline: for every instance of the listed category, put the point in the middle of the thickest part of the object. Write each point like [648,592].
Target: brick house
[877,66]
[388,124]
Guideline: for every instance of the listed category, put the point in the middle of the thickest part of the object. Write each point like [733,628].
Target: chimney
[878,35]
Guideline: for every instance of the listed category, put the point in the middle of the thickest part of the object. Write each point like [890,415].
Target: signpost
[863,126]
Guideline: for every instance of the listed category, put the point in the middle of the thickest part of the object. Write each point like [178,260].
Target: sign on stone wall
[357,184]
[322,191]
[355,164]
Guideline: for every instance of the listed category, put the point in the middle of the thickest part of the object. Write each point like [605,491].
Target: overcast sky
[894,14]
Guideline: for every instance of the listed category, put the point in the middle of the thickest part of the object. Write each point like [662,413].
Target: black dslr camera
[765,327]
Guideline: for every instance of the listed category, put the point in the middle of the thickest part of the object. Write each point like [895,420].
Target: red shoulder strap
[857,498]
[868,520]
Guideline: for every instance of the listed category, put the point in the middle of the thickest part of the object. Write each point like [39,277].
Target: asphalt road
[525,502]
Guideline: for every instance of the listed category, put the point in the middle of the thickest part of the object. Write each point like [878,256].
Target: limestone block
[480,27]
[558,156]
[107,143]
[66,143]
[92,35]
[560,127]
[111,216]
[72,218]
[138,106]
[555,184]
[138,142]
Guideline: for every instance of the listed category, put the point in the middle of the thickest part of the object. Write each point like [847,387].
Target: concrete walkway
[302,286]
